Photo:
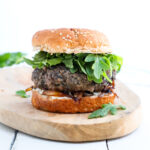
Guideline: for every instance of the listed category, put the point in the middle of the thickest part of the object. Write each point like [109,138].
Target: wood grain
[18,113]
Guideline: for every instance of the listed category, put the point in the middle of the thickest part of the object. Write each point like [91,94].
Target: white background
[125,22]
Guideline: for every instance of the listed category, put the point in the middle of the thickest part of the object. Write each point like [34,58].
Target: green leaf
[105,75]
[113,110]
[3,59]
[22,93]
[54,61]
[121,107]
[41,56]
[68,63]
[58,54]
[91,76]
[67,56]
[97,67]
[81,55]
[90,57]
[105,63]
[116,62]
[73,70]
[100,112]
[81,66]
[108,67]
[9,59]
[106,108]
[89,72]
[28,61]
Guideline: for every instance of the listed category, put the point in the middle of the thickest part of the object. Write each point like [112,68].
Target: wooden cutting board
[19,114]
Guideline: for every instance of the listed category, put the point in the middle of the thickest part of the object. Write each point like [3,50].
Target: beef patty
[59,78]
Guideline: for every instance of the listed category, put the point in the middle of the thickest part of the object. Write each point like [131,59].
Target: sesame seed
[60,33]
[63,37]
[91,42]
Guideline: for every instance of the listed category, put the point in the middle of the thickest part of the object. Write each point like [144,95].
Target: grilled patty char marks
[59,78]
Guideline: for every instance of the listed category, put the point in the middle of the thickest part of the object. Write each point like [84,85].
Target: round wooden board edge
[114,129]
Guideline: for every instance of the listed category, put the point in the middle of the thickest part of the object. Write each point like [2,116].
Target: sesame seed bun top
[71,40]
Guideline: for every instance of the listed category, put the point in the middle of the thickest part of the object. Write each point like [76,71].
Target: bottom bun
[68,105]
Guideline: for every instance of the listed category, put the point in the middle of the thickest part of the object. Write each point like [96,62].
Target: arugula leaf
[121,107]
[106,108]
[100,112]
[113,110]
[116,62]
[105,75]
[73,70]
[81,66]
[81,55]
[3,59]
[22,93]
[40,56]
[68,63]
[28,61]
[9,59]
[90,57]
[67,56]
[105,63]
[95,66]
[54,61]
[91,76]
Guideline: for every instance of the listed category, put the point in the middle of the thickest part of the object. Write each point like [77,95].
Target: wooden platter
[19,114]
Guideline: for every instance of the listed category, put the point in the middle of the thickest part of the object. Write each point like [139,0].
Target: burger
[74,70]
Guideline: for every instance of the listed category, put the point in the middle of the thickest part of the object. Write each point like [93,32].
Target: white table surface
[136,79]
